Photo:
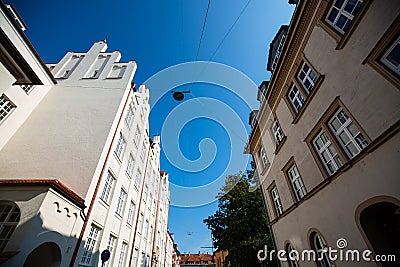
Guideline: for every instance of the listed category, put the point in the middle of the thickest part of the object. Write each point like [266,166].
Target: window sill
[265,169]
[114,78]
[117,157]
[279,146]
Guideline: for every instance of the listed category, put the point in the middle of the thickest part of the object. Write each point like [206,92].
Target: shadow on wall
[35,245]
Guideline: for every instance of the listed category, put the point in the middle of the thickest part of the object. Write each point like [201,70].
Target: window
[27,88]
[130,165]
[131,212]
[291,256]
[307,77]
[90,245]
[278,52]
[140,223]
[120,146]
[342,14]
[108,185]
[122,256]
[6,107]
[9,219]
[318,244]
[138,177]
[391,57]
[142,153]
[117,71]
[135,257]
[129,116]
[263,157]
[349,136]
[110,246]
[277,132]
[121,202]
[276,200]
[98,66]
[327,153]
[70,66]
[146,229]
[296,182]
[144,197]
[137,136]
[296,98]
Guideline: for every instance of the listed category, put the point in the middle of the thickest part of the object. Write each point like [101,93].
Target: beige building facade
[326,136]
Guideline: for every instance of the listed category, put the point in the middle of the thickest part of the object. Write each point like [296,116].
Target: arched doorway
[47,254]
[381,225]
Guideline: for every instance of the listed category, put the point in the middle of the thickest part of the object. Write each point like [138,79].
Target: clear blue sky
[158,34]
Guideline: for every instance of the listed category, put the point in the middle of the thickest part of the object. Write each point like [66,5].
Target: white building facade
[79,173]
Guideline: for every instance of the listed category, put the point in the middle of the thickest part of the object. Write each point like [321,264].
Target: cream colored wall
[46,216]
[375,104]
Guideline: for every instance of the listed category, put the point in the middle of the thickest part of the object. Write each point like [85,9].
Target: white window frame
[138,177]
[327,152]
[388,63]
[131,213]
[297,182]
[27,88]
[136,139]
[129,116]
[90,245]
[130,166]
[320,247]
[263,157]
[277,132]
[140,223]
[342,12]
[122,256]
[344,130]
[10,214]
[112,240]
[292,262]
[121,202]
[278,52]
[295,96]
[108,187]
[6,108]
[120,147]
[276,200]
[307,77]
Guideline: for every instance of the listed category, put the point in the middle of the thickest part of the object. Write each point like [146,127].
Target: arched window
[381,224]
[9,219]
[320,247]
[292,256]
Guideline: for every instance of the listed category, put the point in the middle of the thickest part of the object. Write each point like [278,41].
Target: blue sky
[159,34]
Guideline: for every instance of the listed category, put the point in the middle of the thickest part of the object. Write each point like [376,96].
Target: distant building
[326,136]
[201,260]
[79,173]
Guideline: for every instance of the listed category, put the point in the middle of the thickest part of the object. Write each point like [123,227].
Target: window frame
[130,166]
[322,124]
[6,224]
[90,245]
[108,187]
[111,248]
[382,46]
[119,210]
[325,148]
[262,155]
[120,146]
[7,108]
[131,212]
[312,243]
[293,191]
[340,38]
[270,190]
[123,253]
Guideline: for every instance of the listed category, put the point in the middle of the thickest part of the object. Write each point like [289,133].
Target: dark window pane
[347,25]
[332,16]
[355,11]
[341,21]
[350,6]
[339,3]
[394,56]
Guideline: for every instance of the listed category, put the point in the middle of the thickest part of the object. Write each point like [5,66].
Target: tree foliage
[240,225]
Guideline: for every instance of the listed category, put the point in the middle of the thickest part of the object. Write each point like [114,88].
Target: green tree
[240,225]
